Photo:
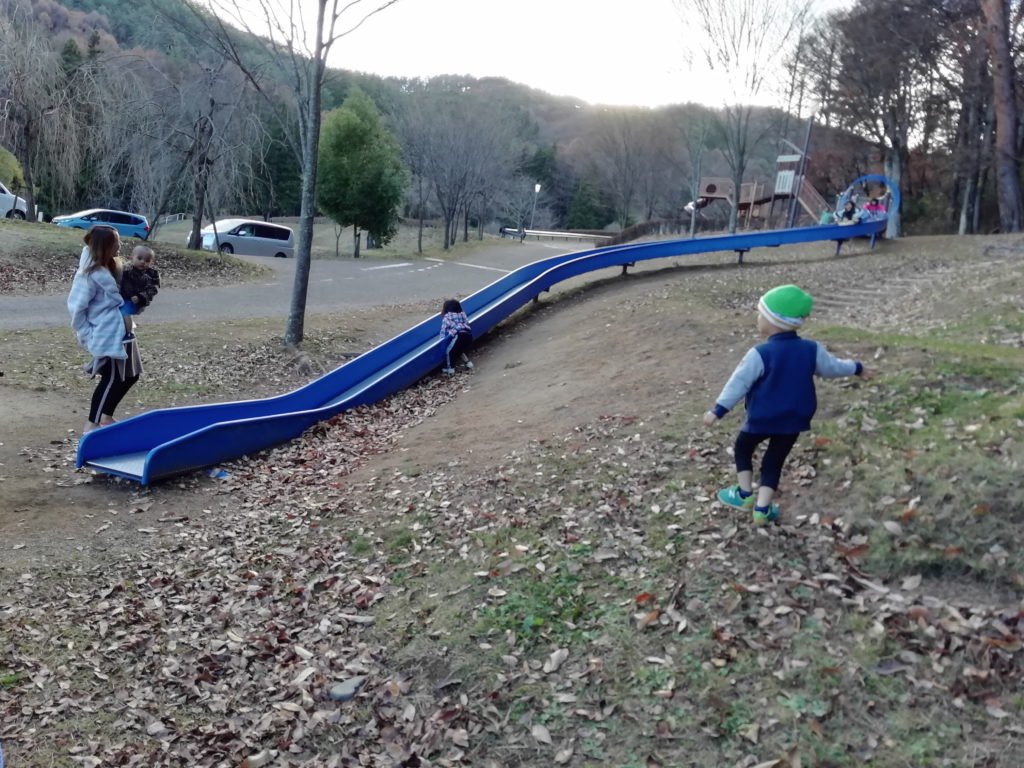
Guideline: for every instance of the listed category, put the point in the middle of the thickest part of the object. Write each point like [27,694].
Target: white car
[249,237]
[12,206]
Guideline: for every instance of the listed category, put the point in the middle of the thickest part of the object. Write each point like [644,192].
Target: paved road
[333,286]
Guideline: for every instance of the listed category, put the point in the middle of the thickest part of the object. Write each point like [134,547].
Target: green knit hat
[786,307]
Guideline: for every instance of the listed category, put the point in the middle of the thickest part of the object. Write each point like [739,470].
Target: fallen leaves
[224,635]
[541,734]
[555,661]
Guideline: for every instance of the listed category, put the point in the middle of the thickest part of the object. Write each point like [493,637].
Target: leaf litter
[218,643]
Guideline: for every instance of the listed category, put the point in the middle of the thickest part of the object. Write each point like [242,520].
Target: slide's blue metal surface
[170,441]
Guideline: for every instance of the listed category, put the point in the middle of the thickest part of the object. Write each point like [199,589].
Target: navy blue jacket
[776,379]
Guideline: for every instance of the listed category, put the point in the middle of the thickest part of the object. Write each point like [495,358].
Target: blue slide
[166,442]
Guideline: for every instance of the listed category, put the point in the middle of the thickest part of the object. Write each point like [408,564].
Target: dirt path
[48,509]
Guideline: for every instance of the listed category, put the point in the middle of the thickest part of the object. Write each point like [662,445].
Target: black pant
[774,457]
[112,388]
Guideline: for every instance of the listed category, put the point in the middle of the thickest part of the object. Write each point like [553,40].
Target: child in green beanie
[776,379]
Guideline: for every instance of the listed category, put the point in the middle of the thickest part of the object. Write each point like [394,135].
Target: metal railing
[541,234]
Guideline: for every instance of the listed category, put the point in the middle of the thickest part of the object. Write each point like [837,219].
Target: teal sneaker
[769,516]
[731,496]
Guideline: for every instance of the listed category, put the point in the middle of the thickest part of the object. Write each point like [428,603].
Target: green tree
[587,210]
[10,170]
[361,177]
[71,56]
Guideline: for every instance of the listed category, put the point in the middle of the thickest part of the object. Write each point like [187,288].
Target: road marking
[327,280]
[467,264]
[481,266]
[386,266]
[270,285]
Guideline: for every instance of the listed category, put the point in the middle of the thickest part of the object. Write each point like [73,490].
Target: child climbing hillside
[777,380]
[457,334]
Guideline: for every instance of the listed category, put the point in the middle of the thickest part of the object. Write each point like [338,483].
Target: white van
[11,206]
[249,237]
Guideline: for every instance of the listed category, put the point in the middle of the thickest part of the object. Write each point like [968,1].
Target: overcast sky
[601,51]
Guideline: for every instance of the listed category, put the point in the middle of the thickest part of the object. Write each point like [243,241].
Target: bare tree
[295,53]
[1004,100]
[745,40]
[465,147]
[619,157]
[35,102]
[693,125]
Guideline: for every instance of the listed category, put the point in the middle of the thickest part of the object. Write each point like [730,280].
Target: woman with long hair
[94,304]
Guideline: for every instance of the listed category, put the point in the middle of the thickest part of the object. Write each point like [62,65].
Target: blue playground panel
[167,442]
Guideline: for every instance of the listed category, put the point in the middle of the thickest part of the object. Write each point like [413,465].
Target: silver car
[248,237]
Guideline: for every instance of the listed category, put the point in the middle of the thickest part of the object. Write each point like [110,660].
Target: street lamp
[794,211]
[536,191]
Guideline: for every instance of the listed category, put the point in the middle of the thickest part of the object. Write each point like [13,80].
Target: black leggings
[112,388]
[774,457]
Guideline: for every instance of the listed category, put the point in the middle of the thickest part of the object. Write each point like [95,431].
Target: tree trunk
[1011,212]
[695,187]
[356,237]
[202,136]
[165,198]
[26,165]
[465,226]
[979,195]
[453,226]
[737,191]
[447,229]
[894,172]
[300,287]
[965,227]
[200,183]
[419,211]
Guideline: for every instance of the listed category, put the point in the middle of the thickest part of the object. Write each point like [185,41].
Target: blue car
[126,224]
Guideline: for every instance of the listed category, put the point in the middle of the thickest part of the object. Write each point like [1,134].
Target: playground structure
[792,188]
[167,442]
[757,201]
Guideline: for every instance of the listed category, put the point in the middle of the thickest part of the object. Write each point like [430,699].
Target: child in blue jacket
[776,379]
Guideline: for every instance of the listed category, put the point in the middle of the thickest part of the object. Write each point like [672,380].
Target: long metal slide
[167,442]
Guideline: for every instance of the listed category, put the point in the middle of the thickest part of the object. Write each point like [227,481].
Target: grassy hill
[41,258]
[526,565]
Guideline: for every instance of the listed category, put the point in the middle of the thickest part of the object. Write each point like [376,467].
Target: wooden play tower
[758,202]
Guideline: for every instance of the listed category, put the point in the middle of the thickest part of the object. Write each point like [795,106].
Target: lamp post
[536,191]
[794,211]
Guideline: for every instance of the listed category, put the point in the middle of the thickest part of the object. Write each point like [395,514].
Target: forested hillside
[130,104]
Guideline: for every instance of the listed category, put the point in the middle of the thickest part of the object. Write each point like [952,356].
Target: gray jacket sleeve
[747,372]
[828,366]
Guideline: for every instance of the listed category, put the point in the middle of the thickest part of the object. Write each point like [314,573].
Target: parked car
[249,237]
[126,224]
[12,206]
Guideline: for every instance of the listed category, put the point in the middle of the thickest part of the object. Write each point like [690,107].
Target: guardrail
[541,234]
